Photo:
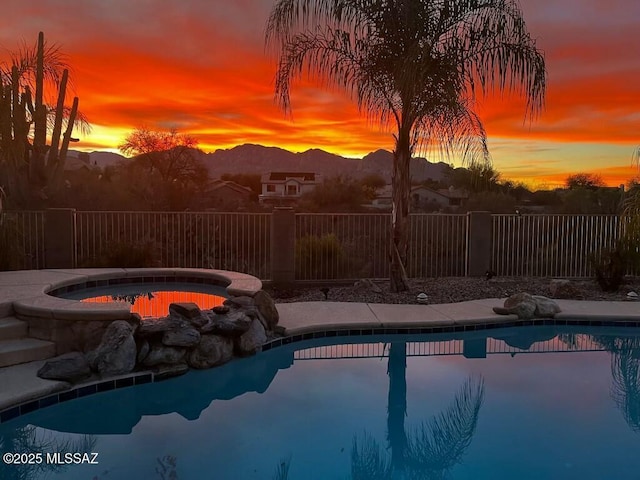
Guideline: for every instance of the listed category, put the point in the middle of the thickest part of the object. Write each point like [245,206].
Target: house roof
[74,163]
[386,192]
[218,185]
[282,176]
[453,193]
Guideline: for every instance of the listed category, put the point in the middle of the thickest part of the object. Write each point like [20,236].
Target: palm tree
[625,374]
[428,452]
[630,227]
[412,65]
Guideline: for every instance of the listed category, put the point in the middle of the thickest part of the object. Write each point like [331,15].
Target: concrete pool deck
[19,383]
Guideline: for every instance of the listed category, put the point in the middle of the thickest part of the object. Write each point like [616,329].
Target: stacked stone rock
[187,338]
[527,306]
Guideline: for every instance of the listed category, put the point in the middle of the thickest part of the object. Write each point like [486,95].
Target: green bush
[125,255]
[10,254]
[320,258]
[611,265]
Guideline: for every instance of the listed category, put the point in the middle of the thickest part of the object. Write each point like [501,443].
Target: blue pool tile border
[133,280]
[138,378]
[11,413]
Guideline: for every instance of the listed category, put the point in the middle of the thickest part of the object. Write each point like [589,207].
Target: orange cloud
[202,67]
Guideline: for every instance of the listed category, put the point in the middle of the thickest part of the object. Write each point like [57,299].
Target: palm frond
[410,60]
[282,470]
[439,444]
[625,372]
[368,461]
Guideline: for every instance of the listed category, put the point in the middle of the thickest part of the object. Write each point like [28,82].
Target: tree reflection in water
[625,371]
[29,439]
[427,453]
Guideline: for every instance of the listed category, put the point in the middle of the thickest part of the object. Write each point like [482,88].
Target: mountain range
[250,158]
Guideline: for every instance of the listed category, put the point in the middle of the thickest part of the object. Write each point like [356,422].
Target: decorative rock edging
[186,338]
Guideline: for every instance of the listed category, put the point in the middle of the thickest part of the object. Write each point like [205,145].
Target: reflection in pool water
[526,403]
[152,299]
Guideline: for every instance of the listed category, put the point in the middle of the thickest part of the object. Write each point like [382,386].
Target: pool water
[525,403]
[152,299]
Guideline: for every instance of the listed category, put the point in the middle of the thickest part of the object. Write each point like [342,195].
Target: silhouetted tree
[335,194]
[475,179]
[415,66]
[167,173]
[590,181]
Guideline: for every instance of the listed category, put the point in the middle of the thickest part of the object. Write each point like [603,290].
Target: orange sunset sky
[200,66]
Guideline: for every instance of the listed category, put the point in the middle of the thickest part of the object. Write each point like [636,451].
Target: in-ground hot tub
[47,305]
[149,297]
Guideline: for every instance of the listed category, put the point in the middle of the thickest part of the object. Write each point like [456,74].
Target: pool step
[16,347]
[11,327]
[23,350]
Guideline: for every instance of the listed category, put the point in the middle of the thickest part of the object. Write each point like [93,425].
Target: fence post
[479,244]
[283,239]
[60,238]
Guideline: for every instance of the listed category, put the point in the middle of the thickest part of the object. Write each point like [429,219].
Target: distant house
[287,187]
[383,198]
[79,161]
[423,198]
[227,195]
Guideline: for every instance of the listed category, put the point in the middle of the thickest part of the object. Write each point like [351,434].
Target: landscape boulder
[158,326]
[241,301]
[184,309]
[526,306]
[252,340]
[232,324]
[70,367]
[117,353]
[161,354]
[186,336]
[267,309]
[212,350]
[561,288]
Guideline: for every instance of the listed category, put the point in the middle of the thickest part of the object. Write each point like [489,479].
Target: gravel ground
[451,290]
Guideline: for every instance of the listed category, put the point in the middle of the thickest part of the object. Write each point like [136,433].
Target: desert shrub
[10,253]
[125,255]
[320,258]
[610,266]
[336,194]
[495,202]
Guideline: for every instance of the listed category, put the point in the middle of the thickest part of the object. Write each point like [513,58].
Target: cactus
[27,164]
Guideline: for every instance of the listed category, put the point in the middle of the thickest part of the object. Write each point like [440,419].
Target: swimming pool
[151,299]
[525,403]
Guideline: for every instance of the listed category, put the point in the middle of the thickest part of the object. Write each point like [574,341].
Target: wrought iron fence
[228,241]
[437,245]
[550,245]
[341,246]
[327,246]
[356,245]
[21,240]
[578,342]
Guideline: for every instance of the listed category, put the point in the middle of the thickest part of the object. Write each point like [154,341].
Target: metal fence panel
[437,245]
[227,241]
[342,245]
[327,246]
[356,245]
[22,240]
[546,245]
